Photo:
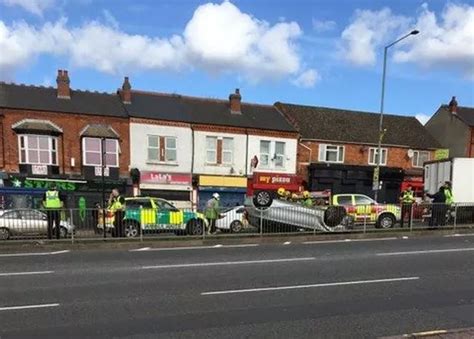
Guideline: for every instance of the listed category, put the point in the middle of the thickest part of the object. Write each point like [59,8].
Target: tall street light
[376,181]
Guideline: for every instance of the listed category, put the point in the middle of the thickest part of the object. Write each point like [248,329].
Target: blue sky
[322,53]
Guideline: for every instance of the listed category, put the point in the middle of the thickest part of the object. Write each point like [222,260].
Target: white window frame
[371,159]
[214,150]
[323,152]
[25,148]
[416,155]
[166,149]
[269,157]
[84,163]
[228,151]
[152,147]
[281,155]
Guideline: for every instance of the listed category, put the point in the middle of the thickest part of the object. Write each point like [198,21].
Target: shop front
[174,187]
[413,178]
[230,188]
[261,181]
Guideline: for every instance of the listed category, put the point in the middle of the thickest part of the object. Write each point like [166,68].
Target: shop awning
[99,131]
[37,126]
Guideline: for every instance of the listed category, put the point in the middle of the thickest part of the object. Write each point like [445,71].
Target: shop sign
[98,171]
[39,169]
[222,181]
[441,154]
[275,179]
[157,178]
[62,185]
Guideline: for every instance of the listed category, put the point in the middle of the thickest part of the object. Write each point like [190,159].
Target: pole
[376,180]
[104,209]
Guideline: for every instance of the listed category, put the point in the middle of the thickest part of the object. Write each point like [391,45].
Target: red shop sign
[273,181]
[157,178]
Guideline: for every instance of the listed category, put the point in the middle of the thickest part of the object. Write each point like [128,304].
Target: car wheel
[132,229]
[195,227]
[236,226]
[385,221]
[4,234]
[334,215]
[262,199]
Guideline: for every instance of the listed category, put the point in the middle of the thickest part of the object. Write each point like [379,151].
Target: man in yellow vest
[407,199]
[448,193]
[117,206]
[53,203]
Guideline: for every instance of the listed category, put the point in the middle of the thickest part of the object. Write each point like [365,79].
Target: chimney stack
[453,106]
[235,102]
[126,93]
[62,80]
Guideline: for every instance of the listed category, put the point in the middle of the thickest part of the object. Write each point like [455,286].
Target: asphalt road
[355,289]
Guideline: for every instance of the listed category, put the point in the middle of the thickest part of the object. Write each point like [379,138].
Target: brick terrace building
[453,128]
[55,135]
[338,149]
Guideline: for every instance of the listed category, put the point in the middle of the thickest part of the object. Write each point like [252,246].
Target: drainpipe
[246,152]
[193,202]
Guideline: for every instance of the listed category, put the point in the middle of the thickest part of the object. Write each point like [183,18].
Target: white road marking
[32,254]
[346,240]
[459,235]
[295,287]
[404,237]
[145,249]
[8,274]
[428,251]
[287,243]
[25,307]
[226,263]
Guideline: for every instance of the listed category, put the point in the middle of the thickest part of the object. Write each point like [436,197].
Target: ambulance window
[344,200]
[362,200]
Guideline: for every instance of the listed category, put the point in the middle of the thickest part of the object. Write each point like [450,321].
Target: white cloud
[323,25]
[446,39]
[36,7]
[367,32]
[110,19]
[307,79]
[423,118]
[248,47]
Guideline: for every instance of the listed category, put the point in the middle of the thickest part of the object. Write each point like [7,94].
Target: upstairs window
[331,153]
[374,158]
[419,158]
[38,149]
[264,153]
[161,149]
[211,150]
[279,154]
[227,151]
[92,152]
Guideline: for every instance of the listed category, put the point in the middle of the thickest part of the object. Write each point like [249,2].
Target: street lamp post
[376,179]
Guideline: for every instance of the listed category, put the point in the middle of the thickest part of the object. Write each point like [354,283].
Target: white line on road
[287,243]
[295,287]
[147,249]
[346,240]
[25,307]
[225,263]
[32,254]
[8,274]
[459,235]
[428,251]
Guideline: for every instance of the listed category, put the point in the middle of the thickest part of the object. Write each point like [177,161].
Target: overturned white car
[275,215]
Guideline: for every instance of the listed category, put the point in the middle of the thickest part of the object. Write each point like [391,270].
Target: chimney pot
[126,92]
[453,105]
[62,80]
[235,102]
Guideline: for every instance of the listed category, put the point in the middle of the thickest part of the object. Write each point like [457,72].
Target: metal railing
[144,223]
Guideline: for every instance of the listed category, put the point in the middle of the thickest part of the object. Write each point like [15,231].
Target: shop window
[374,158]
[92,152]
[211,150]
[331,153]
[264,153]
[38,149]
[419,158]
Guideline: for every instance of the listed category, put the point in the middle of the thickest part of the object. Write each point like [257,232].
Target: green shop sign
[62,185]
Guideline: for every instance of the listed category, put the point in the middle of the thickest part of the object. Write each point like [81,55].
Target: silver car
[281,215]
[28,223]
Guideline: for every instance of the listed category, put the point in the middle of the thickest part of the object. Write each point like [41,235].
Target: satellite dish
[410,153]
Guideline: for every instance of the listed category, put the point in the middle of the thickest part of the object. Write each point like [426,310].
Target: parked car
[366,210]
[28,222]
[276,215]
[233,220]
[155,215]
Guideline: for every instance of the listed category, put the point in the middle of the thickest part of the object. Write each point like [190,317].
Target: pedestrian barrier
[145,223]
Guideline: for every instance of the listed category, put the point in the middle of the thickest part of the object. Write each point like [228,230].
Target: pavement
[362,288]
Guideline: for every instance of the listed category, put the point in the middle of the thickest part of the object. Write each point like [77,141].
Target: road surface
[351,289]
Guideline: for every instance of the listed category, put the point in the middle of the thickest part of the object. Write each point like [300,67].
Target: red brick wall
[69,142]
[354,155]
